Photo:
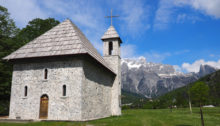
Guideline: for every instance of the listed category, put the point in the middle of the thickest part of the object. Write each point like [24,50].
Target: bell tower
[111,52]
[111,42]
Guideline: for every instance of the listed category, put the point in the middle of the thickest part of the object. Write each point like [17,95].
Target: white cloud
[194,67]
[90,15]
[134,15]
[157,57]
[87,15]
[128,51]
[163,14]
[208,7]
[167,11]
[181,18]
[23,11]
[177,68]
[83,14]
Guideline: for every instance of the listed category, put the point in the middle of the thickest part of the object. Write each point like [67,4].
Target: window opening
[64,90]
[25,91]
[110,48]
[45,73]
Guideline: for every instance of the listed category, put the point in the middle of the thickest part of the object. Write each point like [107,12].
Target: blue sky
[184,33]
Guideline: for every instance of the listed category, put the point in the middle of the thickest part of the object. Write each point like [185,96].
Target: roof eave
[14,59]
[112,38]
[6,58]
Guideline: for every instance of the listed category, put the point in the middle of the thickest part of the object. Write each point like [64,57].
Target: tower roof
[63,39]
[110,33]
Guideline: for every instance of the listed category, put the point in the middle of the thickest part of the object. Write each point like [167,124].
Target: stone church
[61,76]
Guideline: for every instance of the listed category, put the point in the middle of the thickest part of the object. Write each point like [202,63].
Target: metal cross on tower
[111,16]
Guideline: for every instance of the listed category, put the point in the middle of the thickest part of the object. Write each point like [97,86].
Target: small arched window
[45,73]
[25,91]
[110,48]
[64,90]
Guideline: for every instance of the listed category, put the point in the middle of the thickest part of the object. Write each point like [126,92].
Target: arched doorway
[44,106]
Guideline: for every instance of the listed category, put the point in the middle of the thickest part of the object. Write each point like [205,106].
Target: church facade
[61,76]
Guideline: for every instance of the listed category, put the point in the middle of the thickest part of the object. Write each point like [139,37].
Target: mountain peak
[206,69]
[153,79]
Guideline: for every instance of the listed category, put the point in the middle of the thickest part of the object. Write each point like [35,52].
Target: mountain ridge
[154,79]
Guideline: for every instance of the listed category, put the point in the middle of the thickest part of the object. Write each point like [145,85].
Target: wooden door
[44,107]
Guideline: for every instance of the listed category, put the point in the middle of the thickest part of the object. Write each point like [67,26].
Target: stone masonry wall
[116,47]
[96,93]
[115,63]
[59,73]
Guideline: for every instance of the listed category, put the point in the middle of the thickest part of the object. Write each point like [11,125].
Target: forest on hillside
[181,96]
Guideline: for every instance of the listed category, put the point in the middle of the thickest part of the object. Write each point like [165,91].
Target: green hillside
[132,100]
[180,96]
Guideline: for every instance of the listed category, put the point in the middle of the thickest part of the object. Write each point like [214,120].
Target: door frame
[41,106]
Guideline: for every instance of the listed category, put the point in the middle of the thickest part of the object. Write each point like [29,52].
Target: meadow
[144,117]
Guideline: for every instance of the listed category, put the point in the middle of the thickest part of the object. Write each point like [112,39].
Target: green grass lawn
[144,117]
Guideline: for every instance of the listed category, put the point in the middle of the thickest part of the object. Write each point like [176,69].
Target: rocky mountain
[205,69]
[154,79]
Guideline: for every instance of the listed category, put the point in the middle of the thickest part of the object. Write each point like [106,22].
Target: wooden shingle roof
[63,39]
[110,33]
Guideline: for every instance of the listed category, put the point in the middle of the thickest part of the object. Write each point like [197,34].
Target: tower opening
[110,48]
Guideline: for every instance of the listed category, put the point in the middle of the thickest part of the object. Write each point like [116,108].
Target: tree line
[12,38]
